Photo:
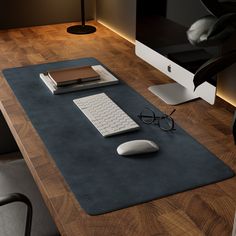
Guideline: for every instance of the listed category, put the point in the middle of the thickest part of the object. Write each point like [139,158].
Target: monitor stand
[173,93]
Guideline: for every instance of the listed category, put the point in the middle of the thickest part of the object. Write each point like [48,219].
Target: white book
[106,78]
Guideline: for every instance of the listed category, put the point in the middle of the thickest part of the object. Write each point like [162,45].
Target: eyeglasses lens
[166,123]
[147,116]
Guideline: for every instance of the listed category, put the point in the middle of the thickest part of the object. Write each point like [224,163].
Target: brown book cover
[73,75]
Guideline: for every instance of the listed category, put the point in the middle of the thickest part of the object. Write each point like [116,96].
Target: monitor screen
[162,26]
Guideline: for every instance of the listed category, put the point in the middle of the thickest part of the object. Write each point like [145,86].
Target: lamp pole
[83,28]
[82,13]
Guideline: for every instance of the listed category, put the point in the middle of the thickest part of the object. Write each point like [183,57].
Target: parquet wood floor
[207,210]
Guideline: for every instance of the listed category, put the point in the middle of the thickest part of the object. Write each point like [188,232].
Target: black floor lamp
[81,29]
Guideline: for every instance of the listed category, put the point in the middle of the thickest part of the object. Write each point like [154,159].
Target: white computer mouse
[136,147]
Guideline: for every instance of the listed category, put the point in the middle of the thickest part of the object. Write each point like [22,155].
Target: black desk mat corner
[101,180]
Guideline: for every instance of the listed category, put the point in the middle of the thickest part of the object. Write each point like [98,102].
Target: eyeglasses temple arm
[172,112]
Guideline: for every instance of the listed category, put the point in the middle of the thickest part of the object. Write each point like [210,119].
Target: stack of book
[77,78]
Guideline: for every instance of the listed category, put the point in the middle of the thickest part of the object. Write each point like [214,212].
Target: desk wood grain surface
[207,210]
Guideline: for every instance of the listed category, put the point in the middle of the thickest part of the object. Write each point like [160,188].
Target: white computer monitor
[161,40]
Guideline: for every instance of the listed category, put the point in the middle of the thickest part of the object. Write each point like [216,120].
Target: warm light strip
[225,98]
[117,32]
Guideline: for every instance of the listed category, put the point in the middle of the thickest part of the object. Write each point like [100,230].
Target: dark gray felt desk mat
[102,180]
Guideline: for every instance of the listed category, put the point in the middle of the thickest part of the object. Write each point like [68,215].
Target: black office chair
[213,30]
[16,183]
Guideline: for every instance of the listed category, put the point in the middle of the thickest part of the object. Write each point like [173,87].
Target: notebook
[106,78]
[73,75]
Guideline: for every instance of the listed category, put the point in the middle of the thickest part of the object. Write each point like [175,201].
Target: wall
[119,15]
[226,84]
[21,13]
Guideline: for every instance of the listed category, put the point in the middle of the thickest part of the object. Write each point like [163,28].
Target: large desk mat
[101,180]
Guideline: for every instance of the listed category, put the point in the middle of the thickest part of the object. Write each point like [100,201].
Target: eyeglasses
[165,122]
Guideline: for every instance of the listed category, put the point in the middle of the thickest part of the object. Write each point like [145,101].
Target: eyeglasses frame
[158,118]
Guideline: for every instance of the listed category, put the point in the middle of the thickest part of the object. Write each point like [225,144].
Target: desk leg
[7,141]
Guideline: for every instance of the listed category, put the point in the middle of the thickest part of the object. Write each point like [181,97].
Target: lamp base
[81,29]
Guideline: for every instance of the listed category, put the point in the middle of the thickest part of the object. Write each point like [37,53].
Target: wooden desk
[204,211]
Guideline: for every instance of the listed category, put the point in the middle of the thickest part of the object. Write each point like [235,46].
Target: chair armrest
[212,67]
[18,197]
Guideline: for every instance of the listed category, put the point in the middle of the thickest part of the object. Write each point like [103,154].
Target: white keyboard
[105,115]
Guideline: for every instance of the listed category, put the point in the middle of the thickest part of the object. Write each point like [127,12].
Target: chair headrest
[210,31]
